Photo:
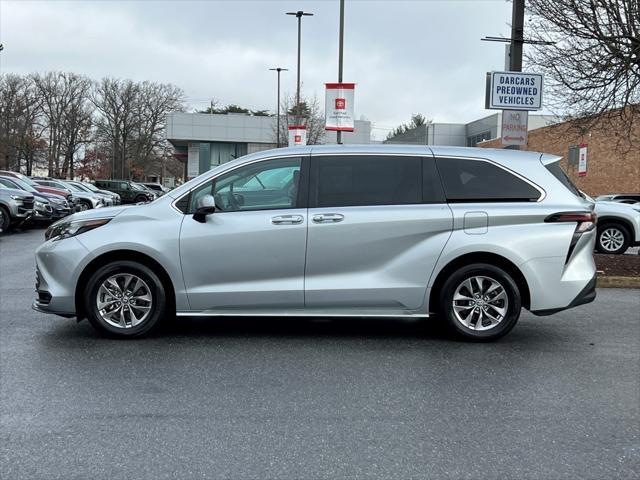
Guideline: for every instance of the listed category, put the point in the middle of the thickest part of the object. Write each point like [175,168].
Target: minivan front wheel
[125,299]
[480,302]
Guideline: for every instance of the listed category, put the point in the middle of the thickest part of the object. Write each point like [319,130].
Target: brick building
[612,165]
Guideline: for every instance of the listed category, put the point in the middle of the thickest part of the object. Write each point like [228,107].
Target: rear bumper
[586,295]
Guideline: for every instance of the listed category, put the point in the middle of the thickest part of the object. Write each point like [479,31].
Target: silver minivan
[470,235]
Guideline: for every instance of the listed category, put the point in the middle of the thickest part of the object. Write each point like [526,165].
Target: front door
[249,254]
[377,225]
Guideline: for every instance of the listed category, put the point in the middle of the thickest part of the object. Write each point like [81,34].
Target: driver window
[267,185]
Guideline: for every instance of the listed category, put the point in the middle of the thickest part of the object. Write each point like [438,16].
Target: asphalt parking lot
[290,398]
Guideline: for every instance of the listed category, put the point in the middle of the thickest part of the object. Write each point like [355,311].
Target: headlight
[17,198]
[38,203]
[67,229]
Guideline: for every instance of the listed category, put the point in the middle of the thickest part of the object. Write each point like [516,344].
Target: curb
[618,282]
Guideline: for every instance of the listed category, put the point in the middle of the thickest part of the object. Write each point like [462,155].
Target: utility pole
[517,36]
[340,59]
[278,69]
[299,14]
[517,40]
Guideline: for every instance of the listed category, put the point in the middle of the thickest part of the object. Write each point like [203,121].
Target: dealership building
[464,134]
[203,141]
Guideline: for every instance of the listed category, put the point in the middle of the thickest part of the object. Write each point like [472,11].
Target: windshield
[137,186]
[71,187]
[28,181]
[91,187]
[81,186]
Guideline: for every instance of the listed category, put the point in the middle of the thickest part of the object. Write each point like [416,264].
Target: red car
[40,188]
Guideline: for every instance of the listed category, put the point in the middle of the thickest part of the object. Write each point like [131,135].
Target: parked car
[144,187]
[59,206]
[16,207]
[156,188]
[40,188]
[129,191]
[42,209]
[618,226]
[114,196]
[108,199]
[84,200]
[630,198]
[469,234]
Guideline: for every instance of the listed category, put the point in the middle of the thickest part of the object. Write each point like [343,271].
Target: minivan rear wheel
[480,302]
[125,299]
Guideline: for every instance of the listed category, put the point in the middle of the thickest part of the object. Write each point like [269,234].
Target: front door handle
[287,219]
[328,218]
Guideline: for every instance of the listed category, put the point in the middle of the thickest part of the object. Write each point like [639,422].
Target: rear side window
[480,181]
[556,171]
[344,181]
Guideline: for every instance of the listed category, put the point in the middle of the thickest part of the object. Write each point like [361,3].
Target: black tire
[158,299]
[5,220]
[506,321]
[608,229]
[87,204]
[141,198]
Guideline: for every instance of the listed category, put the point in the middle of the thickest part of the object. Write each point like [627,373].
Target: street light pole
[299,14]
[340,58]
[517,36]
[278,69]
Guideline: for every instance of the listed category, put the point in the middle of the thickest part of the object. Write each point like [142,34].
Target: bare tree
[20,132]
[591,59]
[310,115]
[149,147]
[117,102]
[76,123]
[131,123]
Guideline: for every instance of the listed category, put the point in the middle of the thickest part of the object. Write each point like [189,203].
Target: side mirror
[205,205]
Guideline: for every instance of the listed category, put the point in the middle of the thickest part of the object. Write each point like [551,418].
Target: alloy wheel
[611,239]
[124,300]
[480,303]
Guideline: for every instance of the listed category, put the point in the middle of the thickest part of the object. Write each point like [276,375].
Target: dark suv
[129,192]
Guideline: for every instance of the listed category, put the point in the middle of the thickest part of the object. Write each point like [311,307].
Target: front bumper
[58,267]
[23,213]
[61,212]
[42,215]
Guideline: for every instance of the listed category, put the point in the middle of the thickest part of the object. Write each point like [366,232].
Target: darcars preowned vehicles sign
[339,107]
[514,91]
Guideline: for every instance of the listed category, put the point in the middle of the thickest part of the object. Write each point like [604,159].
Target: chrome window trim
[543,193]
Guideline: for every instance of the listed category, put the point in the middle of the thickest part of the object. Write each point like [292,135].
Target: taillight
[586,221]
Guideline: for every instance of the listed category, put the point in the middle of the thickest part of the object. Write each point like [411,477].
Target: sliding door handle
[287,219]
[328,218]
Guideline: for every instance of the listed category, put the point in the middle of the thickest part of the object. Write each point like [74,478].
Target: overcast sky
[420,56]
